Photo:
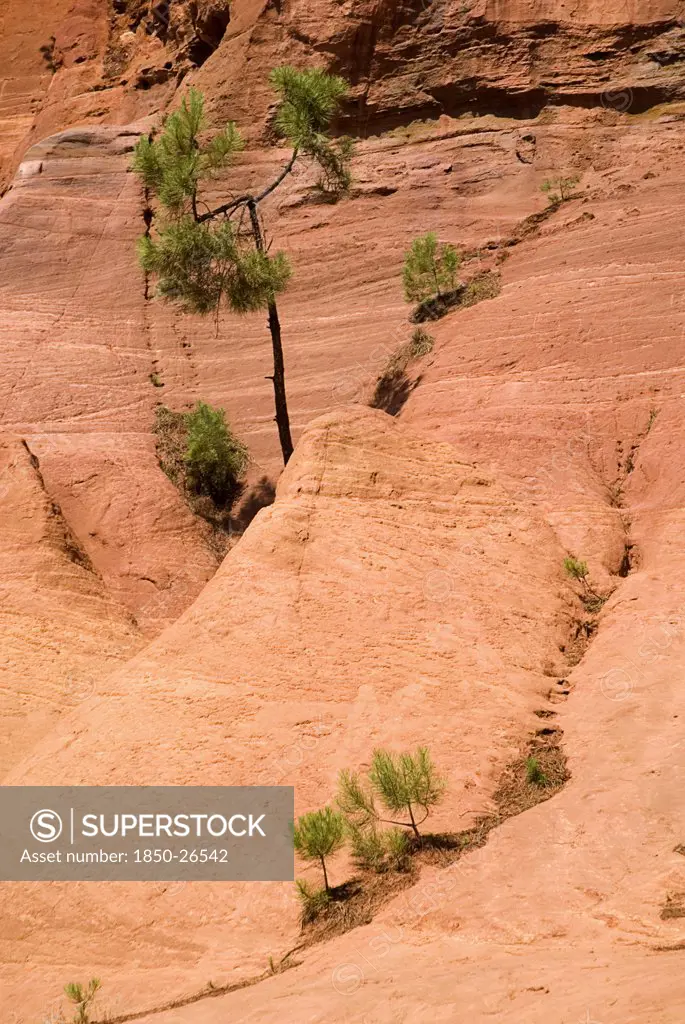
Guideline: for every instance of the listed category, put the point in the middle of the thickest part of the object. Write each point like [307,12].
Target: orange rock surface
[407,585]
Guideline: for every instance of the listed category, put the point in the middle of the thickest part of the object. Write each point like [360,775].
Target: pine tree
[318,835]
[405,784]
[577,570]
[205,257]
[430,269]
[82,996]
[214,457]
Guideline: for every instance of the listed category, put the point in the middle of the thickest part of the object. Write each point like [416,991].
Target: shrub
[393,387]
[318,835]
[82,996]
[397,849]
[368,849]
[576,569]
[312,901]
[534,773]
[430,269]
[379,850]
[404,783]
[483,286]
[421,343]
[215,459]
[558,189]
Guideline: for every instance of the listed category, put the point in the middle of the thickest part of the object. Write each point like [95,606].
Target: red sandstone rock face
[381,638]
[61,632]
[406,60]
[407,585]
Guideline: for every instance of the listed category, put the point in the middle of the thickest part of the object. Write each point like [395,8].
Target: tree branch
[244,200]
[281,178]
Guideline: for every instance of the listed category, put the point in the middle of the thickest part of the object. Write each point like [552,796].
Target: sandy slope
[406,586]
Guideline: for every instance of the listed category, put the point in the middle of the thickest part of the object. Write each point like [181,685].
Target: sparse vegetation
[388,859]
[558,189]
[50,57]
[319,835]
[534,773]
[483,286]
[430,269]
[203,458]
[393,387]
[215,458]
[405,784]
[313,901]
[82,996]
[207,257]
[486,285]
[171,432]
[380,850]
[421,343]
[577,570]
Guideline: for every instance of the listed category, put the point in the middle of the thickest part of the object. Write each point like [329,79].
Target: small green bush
[576,569]
[404,783]
[379,850]
[397,849]
[534,772]
[82,997]
[430,268]
[368,849]
[319,835]
[558,189]
[215,459]
[313,901]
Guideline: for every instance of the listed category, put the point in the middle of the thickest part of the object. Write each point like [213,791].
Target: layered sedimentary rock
[364,597]
[407,586]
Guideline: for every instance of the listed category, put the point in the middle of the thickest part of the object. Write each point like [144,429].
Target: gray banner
[146,833]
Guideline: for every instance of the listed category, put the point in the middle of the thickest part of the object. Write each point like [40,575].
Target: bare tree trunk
[282,417]
[325,874]
[413,822]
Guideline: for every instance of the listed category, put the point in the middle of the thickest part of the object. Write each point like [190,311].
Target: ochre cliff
[407,584]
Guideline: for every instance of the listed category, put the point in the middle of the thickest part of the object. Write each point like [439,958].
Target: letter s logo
[46,826]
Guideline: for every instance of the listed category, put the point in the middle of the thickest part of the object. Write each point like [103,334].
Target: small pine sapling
[82,997]
[313,901]
[215,459]
[403,783]
[577,570]
[430,268]
[559,190]
[319,835]
[534,773]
